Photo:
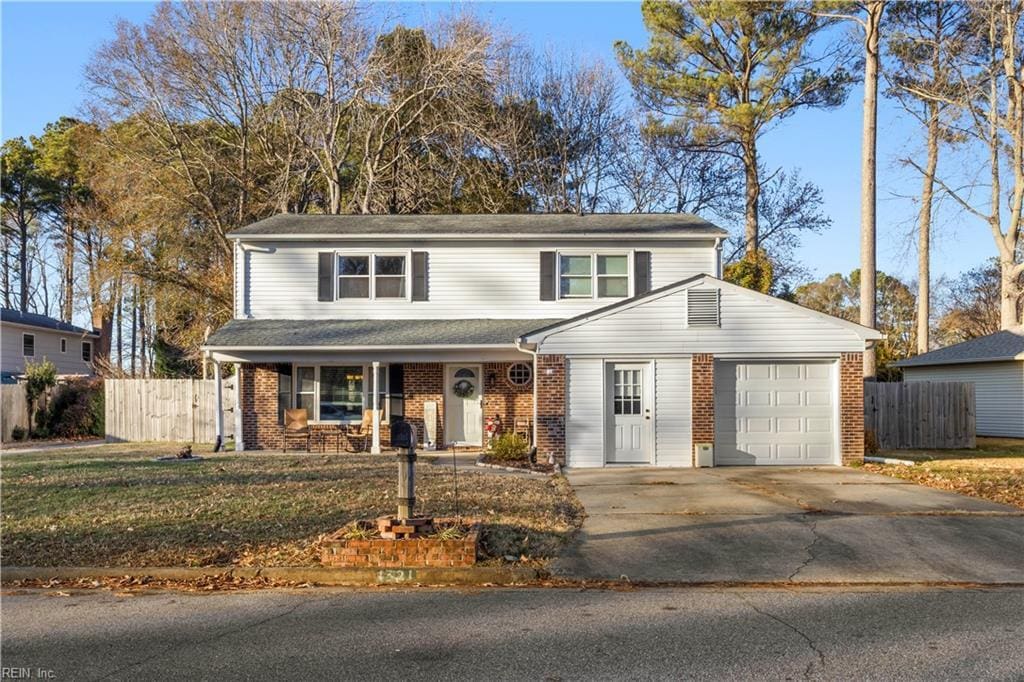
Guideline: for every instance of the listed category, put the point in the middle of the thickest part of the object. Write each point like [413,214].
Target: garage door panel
[774,413]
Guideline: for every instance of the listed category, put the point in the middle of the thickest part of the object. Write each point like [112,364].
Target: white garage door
[774,413]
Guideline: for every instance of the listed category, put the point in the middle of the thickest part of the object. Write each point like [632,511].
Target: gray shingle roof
[41,321]
[323,333]
[500,225]
[1003,345]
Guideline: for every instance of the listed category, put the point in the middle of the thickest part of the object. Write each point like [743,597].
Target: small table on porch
[325,434]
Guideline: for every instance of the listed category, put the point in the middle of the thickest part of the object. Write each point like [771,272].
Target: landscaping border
[518,470]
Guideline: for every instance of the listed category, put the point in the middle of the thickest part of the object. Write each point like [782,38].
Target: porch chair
[361,433]
[296,428]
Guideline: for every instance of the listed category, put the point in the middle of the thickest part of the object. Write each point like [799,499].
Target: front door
[464,404]
[629,414]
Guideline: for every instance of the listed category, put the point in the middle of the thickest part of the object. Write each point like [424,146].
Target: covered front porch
[455,394]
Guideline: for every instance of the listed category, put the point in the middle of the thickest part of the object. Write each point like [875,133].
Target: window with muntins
[627,398]
[373,276]
[596,275]
[28,345]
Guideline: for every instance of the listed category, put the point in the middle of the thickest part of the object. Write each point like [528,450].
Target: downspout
[533,429]
[718,257]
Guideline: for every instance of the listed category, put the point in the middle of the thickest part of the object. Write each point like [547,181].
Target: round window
[520,374]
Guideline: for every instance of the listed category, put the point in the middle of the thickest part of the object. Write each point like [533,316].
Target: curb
[516,470]
[318,575]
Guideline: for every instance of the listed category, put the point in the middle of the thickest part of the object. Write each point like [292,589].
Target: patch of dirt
[542,467]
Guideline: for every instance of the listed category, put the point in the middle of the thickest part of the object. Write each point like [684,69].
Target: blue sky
[45,46]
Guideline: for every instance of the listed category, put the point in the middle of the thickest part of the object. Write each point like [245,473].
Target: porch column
[239,440]
[375,448]
[219,393]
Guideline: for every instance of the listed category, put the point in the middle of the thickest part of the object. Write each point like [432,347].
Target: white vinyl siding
[47,346]
[750,325]
[998,393]
[672,425]
[584,426]
[465,280]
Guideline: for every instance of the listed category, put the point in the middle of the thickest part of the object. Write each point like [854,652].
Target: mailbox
[403,435]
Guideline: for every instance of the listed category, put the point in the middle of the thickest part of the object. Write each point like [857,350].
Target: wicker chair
[296,428]
[361,433]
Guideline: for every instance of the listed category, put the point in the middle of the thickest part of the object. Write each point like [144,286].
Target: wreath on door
[463,388]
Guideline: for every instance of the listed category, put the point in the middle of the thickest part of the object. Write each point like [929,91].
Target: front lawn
[994,470]
[114,506]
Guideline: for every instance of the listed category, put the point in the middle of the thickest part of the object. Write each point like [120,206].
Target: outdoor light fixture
[403,437]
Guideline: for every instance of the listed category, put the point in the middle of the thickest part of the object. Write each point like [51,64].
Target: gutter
[529,236]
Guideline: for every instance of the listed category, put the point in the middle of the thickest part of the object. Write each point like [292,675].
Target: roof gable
[11,316]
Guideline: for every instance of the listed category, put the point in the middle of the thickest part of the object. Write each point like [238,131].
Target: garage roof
[999,347]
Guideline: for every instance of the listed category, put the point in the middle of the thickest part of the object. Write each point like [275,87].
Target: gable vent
[702,308]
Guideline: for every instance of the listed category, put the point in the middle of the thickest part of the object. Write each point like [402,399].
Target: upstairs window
[28,345]
[63,345]
[373,276]
[596,275]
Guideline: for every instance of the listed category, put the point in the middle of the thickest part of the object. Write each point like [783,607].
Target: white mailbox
[704,453]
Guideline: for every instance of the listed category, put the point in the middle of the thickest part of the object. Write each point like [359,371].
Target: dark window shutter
[641,272]
[325,276]
[548,279]
[419,275]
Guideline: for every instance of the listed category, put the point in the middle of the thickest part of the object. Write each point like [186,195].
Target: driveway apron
[786,524]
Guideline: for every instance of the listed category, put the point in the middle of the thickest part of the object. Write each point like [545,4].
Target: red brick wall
[702,406]
[505,399]
[424,381]
[551,407]
[851,407]
[260,430]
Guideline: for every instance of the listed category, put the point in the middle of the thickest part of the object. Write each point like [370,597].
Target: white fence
[167,409]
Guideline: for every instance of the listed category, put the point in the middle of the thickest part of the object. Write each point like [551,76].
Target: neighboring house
[611,334]
[28,337]
[995,365]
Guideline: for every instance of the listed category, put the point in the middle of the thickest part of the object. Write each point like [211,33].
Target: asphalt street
[545,634]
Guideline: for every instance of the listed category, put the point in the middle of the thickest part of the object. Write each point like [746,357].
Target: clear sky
[45,46]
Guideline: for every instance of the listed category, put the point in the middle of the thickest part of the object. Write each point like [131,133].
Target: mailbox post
[403,437]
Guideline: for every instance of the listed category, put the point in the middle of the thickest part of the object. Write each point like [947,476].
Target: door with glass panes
[629,414]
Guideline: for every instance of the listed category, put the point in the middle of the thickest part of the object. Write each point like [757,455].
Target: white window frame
[25,336]
[372,256]
[63,344]
[594,277]
[385,389]
[86,344]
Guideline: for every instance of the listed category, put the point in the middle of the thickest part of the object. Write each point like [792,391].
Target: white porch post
[239,441]
[219,393]
[375,448]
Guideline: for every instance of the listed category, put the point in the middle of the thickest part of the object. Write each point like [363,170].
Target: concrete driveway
[787,524]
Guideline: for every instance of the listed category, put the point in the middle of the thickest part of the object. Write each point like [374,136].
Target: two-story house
[30,337]
[613,335]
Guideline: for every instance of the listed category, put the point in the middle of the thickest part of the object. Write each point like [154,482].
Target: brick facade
[551,400]
[702,405]
[504,399]
[260,428]
[424,381]
[851,407]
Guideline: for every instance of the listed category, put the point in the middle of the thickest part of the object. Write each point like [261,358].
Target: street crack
[812,523]
[819,655]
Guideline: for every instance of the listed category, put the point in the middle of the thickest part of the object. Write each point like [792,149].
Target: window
[28,345]
[284,391]
[382,393]
[702,308]
[63,345]
[305,390]
[353,277]
[520,374]
[376,276]
[341,393]
[86,351]
[593,275]
[628,390]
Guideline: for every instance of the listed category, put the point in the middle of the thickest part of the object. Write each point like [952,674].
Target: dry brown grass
[993,471]
[114,506]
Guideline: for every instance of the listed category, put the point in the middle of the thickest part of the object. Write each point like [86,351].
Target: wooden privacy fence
[166,409]
[920,414]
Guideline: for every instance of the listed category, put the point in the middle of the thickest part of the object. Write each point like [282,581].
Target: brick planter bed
[377,552]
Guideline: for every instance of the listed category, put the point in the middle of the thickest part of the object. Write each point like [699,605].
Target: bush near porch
[994,470]
[114,506]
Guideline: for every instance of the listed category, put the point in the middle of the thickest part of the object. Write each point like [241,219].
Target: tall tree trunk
[7,270]
[869,142]
[1009,292]
[143,365]
[120,333]
[924,229]
[135,328]
[753,192]
[67,306]
[23,265]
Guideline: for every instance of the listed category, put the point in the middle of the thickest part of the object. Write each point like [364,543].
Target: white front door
[464,398]
[629,414]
